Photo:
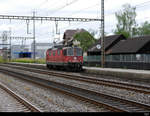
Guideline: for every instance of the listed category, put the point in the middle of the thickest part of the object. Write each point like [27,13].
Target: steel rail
[110,102]
[20,99]
[120,85]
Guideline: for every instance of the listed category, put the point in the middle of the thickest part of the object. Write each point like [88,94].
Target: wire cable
[61,7]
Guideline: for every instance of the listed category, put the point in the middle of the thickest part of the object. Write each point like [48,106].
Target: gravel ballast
[122,93]
[46,99]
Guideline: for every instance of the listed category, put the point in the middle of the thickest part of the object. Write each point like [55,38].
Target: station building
[19,51]
[122,52]
[24,51]
[40,49]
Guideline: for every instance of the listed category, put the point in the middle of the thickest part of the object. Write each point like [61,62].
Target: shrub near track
[27,60]
[2,60]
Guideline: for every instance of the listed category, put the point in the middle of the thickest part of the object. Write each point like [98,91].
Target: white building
[17,49]
[40,49]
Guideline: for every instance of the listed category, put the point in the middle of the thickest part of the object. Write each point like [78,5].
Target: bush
[27,60]
[2,60]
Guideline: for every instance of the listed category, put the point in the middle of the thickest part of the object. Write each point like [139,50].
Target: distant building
[19,51]
[40,49]
[69,36]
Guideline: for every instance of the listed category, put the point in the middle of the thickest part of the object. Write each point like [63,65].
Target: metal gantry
[12,17]
[19,38]
[38,18]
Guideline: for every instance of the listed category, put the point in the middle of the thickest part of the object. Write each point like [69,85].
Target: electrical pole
[10,45]
[34,35]
[56,25]
[102,35]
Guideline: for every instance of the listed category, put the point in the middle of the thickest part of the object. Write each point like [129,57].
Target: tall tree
[144,29]
[126,21]
[85,39]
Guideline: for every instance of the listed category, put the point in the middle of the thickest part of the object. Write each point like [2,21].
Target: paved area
[125,73]
[119,70]
[131,74]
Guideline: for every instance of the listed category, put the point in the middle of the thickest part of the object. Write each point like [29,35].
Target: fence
[132,61]
[120,58]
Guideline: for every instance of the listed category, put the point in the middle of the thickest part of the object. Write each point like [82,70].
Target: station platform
[131,74]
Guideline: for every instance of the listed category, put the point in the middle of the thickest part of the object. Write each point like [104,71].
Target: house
[110,41]
[133,53]
[69,36]
[132,49]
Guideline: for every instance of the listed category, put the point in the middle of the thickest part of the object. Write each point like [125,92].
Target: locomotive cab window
[65,52]
[49,53]
[53,53]
[70,52]
[58,52]
[78,51]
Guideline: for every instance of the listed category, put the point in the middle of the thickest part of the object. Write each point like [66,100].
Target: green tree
[144,29]
[85,39]
[126,21]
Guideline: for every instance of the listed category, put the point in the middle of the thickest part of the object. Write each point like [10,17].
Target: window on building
[138,57]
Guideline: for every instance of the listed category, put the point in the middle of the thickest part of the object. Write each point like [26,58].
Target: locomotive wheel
[47,65]
[67,68]
[58,68]
[50,66]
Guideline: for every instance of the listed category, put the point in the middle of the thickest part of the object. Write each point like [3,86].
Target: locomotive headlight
[75,58]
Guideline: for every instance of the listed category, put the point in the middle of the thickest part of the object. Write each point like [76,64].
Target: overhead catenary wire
[143,4]
[75,12]
[58,8]
[68,4]
[62,7]
[83,9]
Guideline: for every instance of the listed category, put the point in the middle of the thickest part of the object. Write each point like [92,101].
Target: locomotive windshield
[70,52]
[78,51]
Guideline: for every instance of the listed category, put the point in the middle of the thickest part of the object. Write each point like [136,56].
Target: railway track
[22,105]
[120,85]
[110,102]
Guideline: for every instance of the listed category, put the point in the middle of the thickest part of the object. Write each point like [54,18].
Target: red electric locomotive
[65,57]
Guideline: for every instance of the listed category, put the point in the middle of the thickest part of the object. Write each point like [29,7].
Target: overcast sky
[45,31]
